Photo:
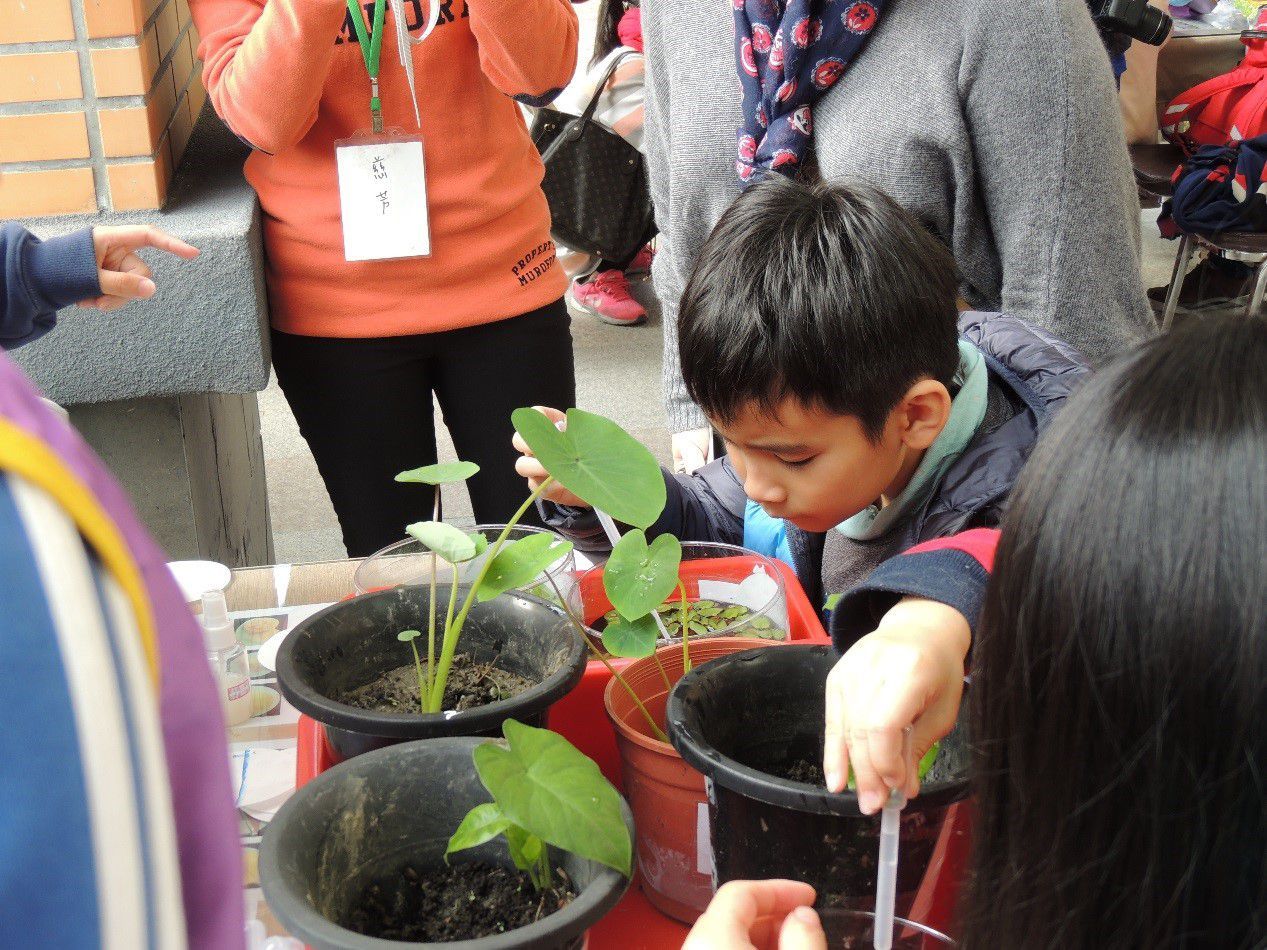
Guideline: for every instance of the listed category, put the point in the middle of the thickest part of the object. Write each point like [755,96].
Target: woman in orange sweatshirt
[360,348]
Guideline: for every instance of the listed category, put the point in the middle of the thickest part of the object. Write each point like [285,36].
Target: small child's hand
[907,673]
[122,273]
[535,472]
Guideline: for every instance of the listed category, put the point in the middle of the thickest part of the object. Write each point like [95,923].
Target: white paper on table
[754,592]
[294,616]
[262,780]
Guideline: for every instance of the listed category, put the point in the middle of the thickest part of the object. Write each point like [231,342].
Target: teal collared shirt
[967,410]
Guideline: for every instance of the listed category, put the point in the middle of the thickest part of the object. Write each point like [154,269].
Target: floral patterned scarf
[789,53]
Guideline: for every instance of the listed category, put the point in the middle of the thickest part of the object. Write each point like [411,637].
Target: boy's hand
[759,915]
[531,469]
[907,673]
[124,276]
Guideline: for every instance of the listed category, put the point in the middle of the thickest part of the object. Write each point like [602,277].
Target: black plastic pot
[739,716]
[351,642]
[362,821]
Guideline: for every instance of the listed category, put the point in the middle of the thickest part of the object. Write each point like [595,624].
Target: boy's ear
[924,411]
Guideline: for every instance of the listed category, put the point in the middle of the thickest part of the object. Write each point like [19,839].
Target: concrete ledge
[206,331]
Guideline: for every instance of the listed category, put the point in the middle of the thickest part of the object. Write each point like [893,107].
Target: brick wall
[97,102]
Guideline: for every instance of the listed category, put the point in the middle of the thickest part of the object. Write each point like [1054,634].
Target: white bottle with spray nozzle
[228,659]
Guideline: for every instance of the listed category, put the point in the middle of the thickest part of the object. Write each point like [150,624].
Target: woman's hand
[123,275]
[759,915]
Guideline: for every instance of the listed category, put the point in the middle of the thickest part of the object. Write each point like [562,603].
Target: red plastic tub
[579,717]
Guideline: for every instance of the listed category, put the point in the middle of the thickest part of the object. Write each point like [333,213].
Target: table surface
[253,592]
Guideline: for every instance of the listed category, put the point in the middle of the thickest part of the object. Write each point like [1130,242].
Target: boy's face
[815,468]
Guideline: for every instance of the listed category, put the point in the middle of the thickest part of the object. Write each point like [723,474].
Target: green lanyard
[371,49]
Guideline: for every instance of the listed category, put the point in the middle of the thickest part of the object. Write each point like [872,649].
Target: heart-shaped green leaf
[598,461]
[637,577]
[446,473]
[632,639]
[482,823]
[447,541]
[520,563]
[406,635]
[543,784]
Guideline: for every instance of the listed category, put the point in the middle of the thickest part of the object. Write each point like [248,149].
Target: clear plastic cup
[407,562]
[854,930]
[727,577]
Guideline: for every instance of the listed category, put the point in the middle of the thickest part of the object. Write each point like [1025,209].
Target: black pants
[364,406]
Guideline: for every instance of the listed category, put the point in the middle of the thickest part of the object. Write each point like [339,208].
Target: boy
[862,415]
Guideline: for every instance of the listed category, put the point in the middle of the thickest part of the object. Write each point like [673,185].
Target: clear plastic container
[854,930]
[744,592]
[407,562]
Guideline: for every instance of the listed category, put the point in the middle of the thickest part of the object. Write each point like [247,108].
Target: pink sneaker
[606,296]
[640,266]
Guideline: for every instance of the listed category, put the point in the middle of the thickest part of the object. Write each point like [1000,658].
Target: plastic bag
[1227,16]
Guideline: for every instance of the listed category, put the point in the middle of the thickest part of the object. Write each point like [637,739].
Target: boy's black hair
[829,293]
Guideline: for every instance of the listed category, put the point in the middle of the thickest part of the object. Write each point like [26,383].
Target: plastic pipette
[609,528]
[886,879]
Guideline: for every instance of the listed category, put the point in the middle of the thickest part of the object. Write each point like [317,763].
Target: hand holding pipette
[908,672]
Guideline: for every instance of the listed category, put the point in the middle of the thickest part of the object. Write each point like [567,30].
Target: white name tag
[383,195]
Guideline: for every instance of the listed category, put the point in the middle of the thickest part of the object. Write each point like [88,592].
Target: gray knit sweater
[994,121]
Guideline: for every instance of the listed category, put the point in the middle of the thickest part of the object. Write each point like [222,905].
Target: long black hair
[1119,699]
[607,38]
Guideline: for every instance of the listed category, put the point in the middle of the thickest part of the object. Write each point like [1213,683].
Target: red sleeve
[980,543]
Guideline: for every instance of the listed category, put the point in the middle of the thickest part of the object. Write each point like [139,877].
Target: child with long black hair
[1118,702]
[1118,709]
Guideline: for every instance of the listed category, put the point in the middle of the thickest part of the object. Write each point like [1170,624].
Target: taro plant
[443,541]
[594,458]
[639,576]
[545,793]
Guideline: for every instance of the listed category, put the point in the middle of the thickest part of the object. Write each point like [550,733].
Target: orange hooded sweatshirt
[288,77]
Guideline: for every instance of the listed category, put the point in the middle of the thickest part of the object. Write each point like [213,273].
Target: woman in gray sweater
[995,122]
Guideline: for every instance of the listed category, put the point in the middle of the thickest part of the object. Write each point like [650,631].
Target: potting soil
[461,902]
[470,685]
[801,770]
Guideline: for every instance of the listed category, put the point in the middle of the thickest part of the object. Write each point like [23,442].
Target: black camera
[1133,18]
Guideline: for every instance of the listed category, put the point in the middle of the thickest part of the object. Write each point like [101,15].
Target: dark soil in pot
[353,846]
[352,643]
[470,684]
[440,905]
[802,770]
[753,723]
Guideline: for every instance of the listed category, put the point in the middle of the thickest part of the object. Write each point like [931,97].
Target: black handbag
[595,182]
